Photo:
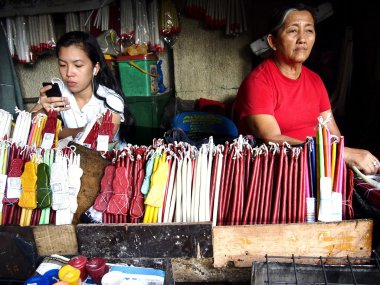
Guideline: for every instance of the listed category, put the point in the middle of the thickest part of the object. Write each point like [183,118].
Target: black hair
[279,15]
[104,77]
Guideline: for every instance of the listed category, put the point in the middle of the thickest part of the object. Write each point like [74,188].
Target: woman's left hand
[53,103]
[362,159]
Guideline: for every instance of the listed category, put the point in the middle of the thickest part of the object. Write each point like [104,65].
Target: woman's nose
[301,37]
[69,71]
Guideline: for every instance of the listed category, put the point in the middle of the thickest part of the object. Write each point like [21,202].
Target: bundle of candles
[30,35]
[139,27]
[232,184]
[331,175]
[43,130]
[169,22]
[235,183]
[127,27]
[36,175]
[27,157]
[219,13]
[98,133]
[36,180]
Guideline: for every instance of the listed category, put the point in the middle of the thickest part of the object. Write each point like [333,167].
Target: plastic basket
[138,75]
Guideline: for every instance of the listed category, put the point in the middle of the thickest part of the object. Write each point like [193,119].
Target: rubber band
[326,121]
[348,203]
[9,202]
[45,196]
[368,192]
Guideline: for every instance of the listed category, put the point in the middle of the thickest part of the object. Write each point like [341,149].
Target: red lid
[78,261]
[149,56]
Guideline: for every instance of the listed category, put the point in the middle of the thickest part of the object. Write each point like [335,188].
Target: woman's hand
[55,103]
[362,159]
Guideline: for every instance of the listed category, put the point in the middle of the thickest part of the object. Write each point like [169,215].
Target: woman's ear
[96,69]
[271,41]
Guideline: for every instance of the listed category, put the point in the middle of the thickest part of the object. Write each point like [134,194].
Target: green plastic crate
[138,75]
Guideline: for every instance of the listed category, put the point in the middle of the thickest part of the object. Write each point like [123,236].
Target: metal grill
[303,270]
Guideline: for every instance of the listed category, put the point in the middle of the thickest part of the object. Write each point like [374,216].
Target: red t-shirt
[296,104]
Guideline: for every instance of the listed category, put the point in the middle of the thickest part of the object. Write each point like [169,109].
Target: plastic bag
[169,22]
[108,43]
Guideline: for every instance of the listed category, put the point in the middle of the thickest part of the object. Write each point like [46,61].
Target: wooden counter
[198,252]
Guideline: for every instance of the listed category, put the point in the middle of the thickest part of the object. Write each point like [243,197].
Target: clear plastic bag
[108,41]
[169,22]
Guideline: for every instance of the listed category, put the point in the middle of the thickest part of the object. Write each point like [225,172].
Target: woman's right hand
[53,103]
[362,159]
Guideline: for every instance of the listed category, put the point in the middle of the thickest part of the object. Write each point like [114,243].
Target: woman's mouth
[71,83]
[301,49]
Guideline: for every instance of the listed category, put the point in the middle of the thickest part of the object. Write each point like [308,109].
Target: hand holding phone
[54,91]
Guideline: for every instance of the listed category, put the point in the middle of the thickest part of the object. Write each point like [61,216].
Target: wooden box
[239,246]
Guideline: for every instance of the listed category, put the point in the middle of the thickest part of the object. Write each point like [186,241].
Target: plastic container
[148,113]
[198,125]
[138,75]
[52,276]
[96,268]
[79,262]
[69,274]
[36,280]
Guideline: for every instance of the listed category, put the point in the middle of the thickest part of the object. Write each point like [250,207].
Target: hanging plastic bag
[108,42]
[169,22]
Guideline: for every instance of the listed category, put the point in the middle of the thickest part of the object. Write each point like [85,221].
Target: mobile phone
[54,91]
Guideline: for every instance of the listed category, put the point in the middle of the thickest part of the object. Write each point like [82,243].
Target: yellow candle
[69,274]
[148,214]
[155,215]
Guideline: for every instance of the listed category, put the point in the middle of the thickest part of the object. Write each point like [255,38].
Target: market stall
[194,199]
[184,222]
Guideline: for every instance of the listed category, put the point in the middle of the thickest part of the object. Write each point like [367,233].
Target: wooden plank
[145,240]
[241,245]
[93,169]
[51,239]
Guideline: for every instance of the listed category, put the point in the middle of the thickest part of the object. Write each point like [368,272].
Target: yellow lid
[108,57]
[69,274]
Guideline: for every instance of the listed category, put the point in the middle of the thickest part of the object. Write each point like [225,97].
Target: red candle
[79,262]
[96,268]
